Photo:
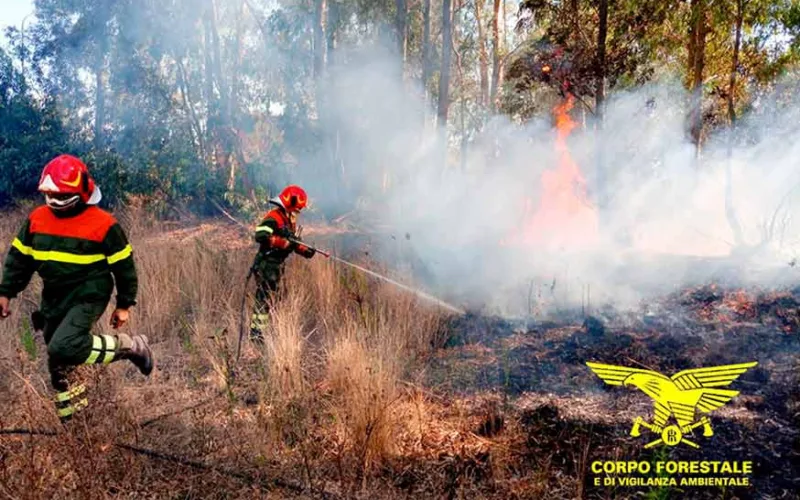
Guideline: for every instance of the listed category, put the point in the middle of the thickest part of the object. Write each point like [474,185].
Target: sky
[13,11]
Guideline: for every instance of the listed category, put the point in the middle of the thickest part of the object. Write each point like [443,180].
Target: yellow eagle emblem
[682,396]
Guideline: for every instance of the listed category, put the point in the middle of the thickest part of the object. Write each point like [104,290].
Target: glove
[119,318]
[4,307]
[305,251]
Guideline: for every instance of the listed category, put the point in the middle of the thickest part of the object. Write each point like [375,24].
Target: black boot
[256,336]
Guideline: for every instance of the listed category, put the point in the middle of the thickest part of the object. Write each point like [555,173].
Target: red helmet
[293,198]
[67,175]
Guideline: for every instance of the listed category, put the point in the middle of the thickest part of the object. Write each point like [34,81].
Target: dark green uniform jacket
[270,235]
[78,255]
[272,253]
[274,226]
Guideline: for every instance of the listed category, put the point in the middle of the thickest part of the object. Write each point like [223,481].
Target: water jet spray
[415,291]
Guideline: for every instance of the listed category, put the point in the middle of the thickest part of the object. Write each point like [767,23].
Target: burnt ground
[565,417]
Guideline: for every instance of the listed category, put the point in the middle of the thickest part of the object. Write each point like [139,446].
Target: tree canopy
[192,100]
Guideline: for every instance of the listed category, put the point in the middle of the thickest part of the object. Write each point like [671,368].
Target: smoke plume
[664,223]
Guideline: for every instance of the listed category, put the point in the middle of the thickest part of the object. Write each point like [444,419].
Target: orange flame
[565,218]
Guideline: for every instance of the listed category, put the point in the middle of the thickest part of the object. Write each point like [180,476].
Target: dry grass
[326,382]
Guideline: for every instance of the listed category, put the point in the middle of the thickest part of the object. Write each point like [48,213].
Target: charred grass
[565,417]
[361,391]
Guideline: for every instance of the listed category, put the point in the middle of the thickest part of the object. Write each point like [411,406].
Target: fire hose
[407,288]
[328,255]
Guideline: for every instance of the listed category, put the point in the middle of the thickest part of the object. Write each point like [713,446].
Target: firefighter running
[273,234]
[80,252]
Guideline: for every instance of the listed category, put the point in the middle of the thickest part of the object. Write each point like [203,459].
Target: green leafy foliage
[190,101]
[31,132]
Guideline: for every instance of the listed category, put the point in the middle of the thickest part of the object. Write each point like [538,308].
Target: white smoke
[665,213]
[665,225]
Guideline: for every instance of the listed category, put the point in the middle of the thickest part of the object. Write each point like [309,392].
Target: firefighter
[80,252]
[272,234]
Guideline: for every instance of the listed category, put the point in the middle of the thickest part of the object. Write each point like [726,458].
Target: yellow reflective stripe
[111,343]
[262,319]
[75,391]
[259,321]
[264,228]
[56,256]
[111,346]
[97,348]
[69,410]
[121,255]
[65,412]
[70,258]
[25,250]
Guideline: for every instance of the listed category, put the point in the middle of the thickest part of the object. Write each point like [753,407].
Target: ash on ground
[538,369]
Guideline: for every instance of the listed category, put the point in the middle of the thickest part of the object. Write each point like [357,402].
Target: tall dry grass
[317,400]
[337,350]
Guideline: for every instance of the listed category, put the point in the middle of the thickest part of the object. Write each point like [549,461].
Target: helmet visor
[61,201]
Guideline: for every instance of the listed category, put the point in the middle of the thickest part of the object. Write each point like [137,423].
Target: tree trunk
[334,139]
[234,142]
[331,22]
[737,43]
[600,73]
[697,49]
[575,14]
[195,128]
[447,54]
[497,70]
[236,162]
[444,76]
[730,209]
[319,49]
[483,56]
[237,62]
[464,135]
[211,99]
[427,63]
[218,77]
[462,101]
[319,37]
[402,33]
